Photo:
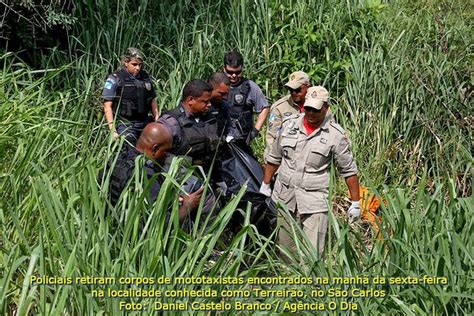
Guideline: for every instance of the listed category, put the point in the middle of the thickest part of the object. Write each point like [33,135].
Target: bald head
[155,140]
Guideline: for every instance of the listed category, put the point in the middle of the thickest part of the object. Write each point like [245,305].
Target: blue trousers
[131,130]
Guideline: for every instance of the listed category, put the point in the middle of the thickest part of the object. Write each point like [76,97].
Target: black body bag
[238,168]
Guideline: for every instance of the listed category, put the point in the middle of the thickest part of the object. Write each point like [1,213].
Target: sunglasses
[230,73]
[311,109]
[295,90]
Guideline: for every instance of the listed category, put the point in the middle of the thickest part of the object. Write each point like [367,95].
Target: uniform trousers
[314,225]
[131,130]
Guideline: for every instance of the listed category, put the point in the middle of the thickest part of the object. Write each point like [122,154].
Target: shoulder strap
[180,116]
[144,75]
[245,88]
[280,101]
[337,127]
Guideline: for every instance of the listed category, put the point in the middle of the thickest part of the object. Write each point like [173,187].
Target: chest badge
[292,129]
[239,98]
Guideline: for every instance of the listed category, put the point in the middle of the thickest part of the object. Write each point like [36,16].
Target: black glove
[254,133]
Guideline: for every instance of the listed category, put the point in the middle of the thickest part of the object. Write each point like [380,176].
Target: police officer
[290,104]
[303,153]
[153,144]
[193,127]
[219,105]
[245,97]
[129,96]
[220,108]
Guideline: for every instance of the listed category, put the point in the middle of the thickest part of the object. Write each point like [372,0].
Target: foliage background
[400,76]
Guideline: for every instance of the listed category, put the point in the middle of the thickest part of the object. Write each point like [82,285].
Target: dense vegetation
[400,75]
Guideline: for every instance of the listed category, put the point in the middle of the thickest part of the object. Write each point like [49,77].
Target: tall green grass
[399,74]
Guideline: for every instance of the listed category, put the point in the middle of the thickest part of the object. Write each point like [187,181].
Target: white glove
[265,189]
[229,138]
[222,186]
[354,211]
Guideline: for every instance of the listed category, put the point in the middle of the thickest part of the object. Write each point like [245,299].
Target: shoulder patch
[109,83]
[271,118]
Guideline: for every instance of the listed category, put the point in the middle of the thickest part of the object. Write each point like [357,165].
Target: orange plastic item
[369,208]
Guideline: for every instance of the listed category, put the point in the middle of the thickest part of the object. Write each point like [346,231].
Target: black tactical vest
[123,172]
[220,111]
[240,112]
[133,96]
[200,139]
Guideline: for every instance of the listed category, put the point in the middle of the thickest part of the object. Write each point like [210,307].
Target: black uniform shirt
[123,171]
